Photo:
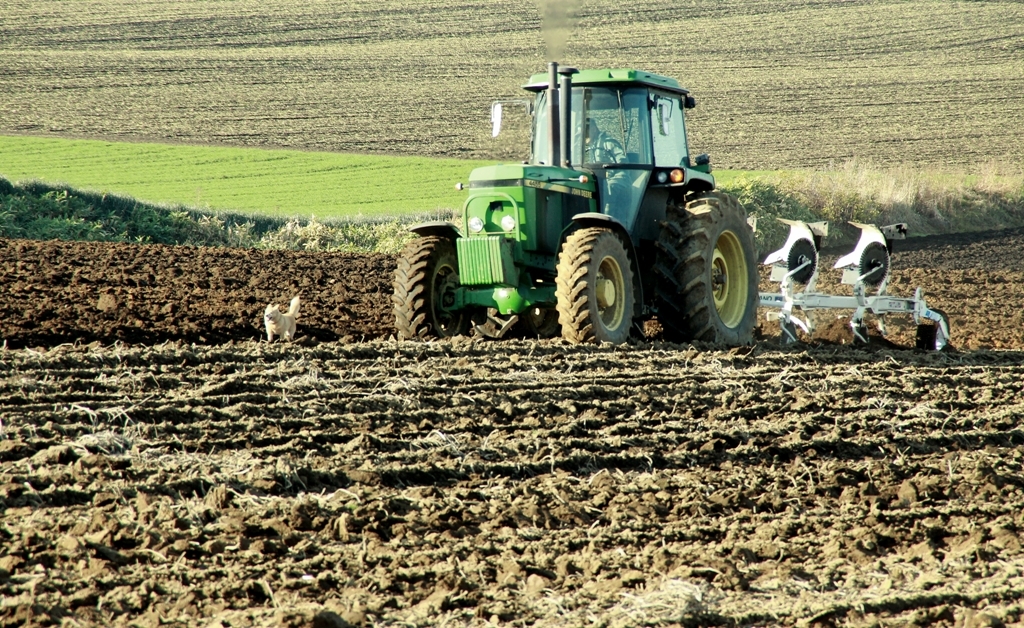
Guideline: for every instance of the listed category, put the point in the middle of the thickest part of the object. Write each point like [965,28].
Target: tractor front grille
[486,261]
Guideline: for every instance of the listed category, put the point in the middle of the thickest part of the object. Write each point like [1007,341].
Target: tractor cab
[625,128]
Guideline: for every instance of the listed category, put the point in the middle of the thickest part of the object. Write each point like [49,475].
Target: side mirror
[495,119]
[689,102]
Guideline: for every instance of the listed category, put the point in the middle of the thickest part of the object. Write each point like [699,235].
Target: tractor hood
[526,203]
[531,175]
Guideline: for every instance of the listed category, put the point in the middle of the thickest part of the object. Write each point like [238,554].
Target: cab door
[616,146]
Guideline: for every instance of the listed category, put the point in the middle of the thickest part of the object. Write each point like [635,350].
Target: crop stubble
[465,480]
[800,83]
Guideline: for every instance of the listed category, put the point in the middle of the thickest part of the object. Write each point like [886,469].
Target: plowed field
[192,475]
[781,84]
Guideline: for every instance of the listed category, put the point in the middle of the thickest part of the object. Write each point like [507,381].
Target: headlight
[662,177]
[508,223]
[476,225]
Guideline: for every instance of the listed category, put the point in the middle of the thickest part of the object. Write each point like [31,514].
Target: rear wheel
[424,288]
[594,287]
[707,279]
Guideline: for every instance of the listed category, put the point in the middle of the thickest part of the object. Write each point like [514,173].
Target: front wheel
[707,281]
[424,290]
[594,287]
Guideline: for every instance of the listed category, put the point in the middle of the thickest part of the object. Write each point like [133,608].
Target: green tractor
[608,224]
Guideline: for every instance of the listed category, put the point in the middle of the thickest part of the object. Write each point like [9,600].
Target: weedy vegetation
[41,211]
[929,201]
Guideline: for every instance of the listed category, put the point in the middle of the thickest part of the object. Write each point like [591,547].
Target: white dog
[281,323]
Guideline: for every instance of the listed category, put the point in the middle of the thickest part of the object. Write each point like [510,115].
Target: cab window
[615,127]
[668,128]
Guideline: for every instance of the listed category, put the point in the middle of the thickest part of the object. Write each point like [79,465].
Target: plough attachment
[866,269]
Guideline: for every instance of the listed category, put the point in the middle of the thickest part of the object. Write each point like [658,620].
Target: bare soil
[58,292]
[191,474]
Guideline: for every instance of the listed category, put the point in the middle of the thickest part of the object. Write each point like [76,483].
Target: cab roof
[609,77]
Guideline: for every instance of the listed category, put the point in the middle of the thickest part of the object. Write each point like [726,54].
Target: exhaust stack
[565,121]
[554,142]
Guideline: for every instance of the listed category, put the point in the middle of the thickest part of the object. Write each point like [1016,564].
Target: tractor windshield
[616,129]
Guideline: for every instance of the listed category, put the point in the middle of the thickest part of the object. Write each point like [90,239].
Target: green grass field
[273,182]
[779,83]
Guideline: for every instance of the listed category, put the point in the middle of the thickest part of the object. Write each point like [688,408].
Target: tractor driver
[601,147]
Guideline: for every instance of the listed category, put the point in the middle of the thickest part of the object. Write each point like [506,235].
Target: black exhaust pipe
[554,143]
[565,109]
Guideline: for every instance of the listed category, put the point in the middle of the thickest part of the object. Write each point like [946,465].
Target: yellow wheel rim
[610,293]
[729,284]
